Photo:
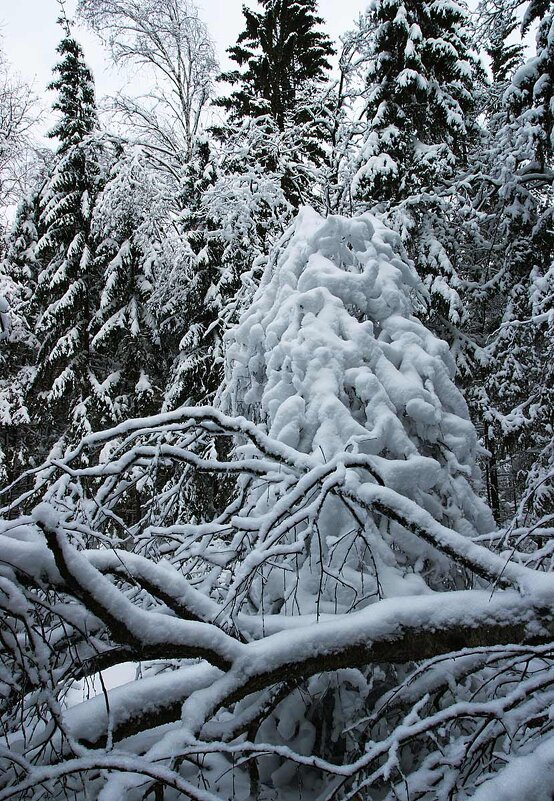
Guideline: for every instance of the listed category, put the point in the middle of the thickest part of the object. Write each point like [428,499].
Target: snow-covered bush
[331,361]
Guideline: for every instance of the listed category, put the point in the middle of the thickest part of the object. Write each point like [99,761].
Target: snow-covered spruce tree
[64,393]
[496,29]
[18,346]
[420,117]
[283,59]
[233,210]
[20,260]
[509,272]
[189,288]
[533,85]
[127,229]
[330,359]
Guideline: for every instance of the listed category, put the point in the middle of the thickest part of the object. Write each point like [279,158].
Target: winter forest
[277,408]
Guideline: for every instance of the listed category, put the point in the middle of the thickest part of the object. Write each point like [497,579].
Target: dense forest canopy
[277,409]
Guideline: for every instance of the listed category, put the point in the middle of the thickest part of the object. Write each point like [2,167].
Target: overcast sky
[30,34]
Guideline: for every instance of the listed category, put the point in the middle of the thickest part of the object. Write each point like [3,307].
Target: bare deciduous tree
[19,113]
[168,40]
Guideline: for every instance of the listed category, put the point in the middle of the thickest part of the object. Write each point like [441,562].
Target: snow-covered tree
[67,288]
[418,98]
[507,271]
[169,43]
[283,58]
[281,50]
[496,29]
[233,209]
[20,260]
[337,289]
[18,346]
[127,228]
[419,109]
[188,289]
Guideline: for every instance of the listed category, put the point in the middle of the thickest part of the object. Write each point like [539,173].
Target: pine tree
[419,98]
[520,377]
[66,294]
[20,261]
[504,56]
[532,92]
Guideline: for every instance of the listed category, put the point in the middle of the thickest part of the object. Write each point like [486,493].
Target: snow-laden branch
[391,631]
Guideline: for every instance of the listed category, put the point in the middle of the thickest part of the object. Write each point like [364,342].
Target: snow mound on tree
[331,358]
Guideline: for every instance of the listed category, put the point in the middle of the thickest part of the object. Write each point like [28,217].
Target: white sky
[30,35]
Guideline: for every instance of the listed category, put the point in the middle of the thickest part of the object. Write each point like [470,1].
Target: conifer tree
[504,55]
[283,58]
[67,289]
[519,377]
[187,298]
[18,345]
[330,358]
[20,261]
[127,229]
[508,267]
[418,98]
[420,114]
[232,210]
[279,52]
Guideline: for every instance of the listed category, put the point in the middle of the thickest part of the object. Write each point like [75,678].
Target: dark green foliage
[532,94]
[279,52]
[75,101]
[504,57]
[420,120]
[419,99]
[283,59]
[66,294]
